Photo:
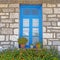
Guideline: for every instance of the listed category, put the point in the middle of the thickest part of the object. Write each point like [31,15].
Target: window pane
[35,32]
[35,39]
[35,12]
[35,22]
[25,31]
[25,22]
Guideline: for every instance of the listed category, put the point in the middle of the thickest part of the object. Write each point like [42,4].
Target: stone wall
[51,25]
[9,25]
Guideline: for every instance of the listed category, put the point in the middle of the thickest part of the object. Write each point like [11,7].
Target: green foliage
[22,40]
[29,54]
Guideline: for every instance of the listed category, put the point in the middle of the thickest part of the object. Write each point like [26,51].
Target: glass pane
[25,31]
[35,32]
[26,12]
[25,22]
[35,22]
[35,12]
[35,40]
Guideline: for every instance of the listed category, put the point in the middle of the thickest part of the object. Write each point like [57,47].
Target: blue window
[31,23]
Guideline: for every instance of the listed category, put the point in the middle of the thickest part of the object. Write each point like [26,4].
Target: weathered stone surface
[4,13]
[51,15]
[8,9]
[44,5]
[4,16]
[56,42]
[57,10]
[46,23]
[16,45]
[13,37]
[53,19]
[2,24]
[7,20]
[58,35]
[58,23]
[5,43]
[3,5]
[2,37]
[48,35]
[44,29]
[6,31]
[49,42]
[14,15]
[17,20]
[44,18]
[47,10]
[16,31]
[14,5]
[7,38]
[51,5]
[15,25]
[54,23]
[44,41]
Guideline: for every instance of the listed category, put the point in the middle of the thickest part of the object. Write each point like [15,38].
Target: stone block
[16,31]
[4,13]
[44,29]
[47,10]
[51,5]
[51,15]
[17,20]
[7,38]
[49,42]
[14,5]
[14,37]
[16,45]
[54,23]
[7,20]
[2,37]
[53,19]
[58,35]
[2,43]
[58,5]
[6,31]
[46,23]
[8,10]
[14,15]
[14,25]
[58,23]
[48,35]
[17,10]
[44,41]
[3,5]
[2,25]
[44,4]
[44,18]
[4,16]
[56,10]
[56,42]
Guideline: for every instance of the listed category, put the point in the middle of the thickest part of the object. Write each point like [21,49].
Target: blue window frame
[31,23]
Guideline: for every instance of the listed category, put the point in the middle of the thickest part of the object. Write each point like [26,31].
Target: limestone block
[16,31]
[2,25]
[6,31]
[14,15]
[3,5]
[14,5]
[48,35]
[13,37]
[47,10]
[2,37]
[56,10]
[14,25]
